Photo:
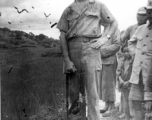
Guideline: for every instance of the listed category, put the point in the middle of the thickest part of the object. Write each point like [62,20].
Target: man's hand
[148,106]
[127,55]
[99,42]
[126,84]
[69,66]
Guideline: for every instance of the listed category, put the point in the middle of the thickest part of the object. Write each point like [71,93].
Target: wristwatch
[108,36]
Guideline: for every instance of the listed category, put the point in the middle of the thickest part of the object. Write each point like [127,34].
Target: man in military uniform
[141,63]
[128,58]
[141,19]
[81,40]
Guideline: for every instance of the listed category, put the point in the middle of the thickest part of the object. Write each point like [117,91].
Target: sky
[36,22]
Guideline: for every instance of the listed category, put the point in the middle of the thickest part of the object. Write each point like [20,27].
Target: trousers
[86,79]
[108,82]
[136,98]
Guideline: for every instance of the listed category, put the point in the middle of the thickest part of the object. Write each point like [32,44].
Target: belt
[83,39]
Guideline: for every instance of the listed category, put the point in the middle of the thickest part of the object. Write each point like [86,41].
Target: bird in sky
[53,25]
[50,22]
[47,15]
[9,22]
[21,22]
[0,14]
[32,7]
[21,10]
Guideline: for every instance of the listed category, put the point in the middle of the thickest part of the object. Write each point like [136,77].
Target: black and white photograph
[75,59]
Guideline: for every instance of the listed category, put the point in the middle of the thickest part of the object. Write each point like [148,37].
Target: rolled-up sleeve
[63,22]
[133,42]
[126,35]
[106,15]
[135,37]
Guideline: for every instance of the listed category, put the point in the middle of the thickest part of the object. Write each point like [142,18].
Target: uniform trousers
[88,64]
[136,98]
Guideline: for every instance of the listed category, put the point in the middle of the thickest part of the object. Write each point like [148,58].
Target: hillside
[32,82]
[15,38]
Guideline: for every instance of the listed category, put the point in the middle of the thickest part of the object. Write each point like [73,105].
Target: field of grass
[33,86]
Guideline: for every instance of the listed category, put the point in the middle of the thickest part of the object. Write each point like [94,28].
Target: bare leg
[138,113]
[126,101]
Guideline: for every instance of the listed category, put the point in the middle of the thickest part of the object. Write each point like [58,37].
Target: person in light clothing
[141,64]
[81,41]
[128,52]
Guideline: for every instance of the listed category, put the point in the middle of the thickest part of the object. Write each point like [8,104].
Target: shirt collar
[75,7]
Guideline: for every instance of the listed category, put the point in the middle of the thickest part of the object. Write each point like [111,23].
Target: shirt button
[143,53]
[108,17]
[147,36]
[144,45]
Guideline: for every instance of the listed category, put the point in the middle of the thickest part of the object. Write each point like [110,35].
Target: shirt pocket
[139,43]
[71,18]
[95,15]
[92,20]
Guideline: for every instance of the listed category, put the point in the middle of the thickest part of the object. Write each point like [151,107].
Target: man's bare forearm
[113,28]
[64,46]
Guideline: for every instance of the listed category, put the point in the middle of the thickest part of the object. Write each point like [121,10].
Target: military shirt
[86,22]
[143,36]
[128,33]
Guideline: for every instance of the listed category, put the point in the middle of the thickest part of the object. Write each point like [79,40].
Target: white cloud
[10,3]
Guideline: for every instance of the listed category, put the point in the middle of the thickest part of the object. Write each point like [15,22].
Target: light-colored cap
[149,4]
[142,10]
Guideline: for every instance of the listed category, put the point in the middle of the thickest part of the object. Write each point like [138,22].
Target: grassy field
[33,87]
